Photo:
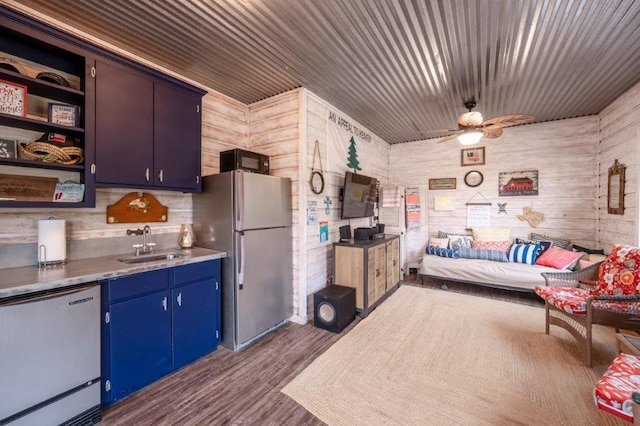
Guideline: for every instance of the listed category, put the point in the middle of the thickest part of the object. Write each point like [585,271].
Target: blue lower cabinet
[194,327]
[156,322]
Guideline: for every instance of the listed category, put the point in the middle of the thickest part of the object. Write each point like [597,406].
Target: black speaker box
[362,234]
[345,233]
[334,307]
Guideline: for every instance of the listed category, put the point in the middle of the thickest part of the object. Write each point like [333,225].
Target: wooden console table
[371,267]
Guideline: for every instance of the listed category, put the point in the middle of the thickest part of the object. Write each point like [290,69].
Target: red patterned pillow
[616,279]
[502,246]
[625,255]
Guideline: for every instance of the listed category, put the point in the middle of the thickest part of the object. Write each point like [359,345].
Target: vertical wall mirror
[615,197]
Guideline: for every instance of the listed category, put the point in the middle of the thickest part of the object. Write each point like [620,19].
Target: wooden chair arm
[572,279]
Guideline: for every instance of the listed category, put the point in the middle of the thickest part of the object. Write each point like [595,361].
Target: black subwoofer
[334,307]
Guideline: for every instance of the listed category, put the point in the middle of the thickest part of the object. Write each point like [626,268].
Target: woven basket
[49,153]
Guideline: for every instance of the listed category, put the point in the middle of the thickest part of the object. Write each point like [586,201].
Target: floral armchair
[606,293]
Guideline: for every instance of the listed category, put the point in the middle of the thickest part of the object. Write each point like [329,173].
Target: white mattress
[499,274]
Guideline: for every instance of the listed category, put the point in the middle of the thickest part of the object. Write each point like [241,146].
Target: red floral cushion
[625,255]
[617,279]
[569,299]
[613,391]
[502,246]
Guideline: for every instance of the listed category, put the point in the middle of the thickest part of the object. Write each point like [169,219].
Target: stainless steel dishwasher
[50,358]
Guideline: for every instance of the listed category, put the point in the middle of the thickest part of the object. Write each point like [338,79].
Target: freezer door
[262,201]
[264,285]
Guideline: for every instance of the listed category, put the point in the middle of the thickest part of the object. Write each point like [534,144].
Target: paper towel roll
[52,241]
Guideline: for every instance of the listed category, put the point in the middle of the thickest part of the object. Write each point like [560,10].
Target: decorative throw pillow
[456,242]
[625,255]
[616,279]
[524,253]
[439,242]
[491,233]
[443,252]
[559,258]
[544,245]
[502,246]
[586,250]
[557,242]
[495,255]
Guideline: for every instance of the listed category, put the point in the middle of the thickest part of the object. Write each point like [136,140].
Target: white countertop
[30,279]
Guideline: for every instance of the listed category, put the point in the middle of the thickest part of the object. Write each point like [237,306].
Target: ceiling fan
[472,126]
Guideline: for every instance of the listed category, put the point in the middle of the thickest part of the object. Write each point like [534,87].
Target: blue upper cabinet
[148,131]
[177,134]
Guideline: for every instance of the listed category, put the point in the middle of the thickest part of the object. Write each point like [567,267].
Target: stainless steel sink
[150,257]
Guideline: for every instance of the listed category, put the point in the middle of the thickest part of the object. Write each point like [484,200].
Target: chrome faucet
[145,247]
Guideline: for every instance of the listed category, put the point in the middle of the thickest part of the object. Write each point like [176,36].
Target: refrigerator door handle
[241,264]
[240,200]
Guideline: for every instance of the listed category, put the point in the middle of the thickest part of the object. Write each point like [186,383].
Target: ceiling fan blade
[448,138]
[432,132]
[509,120]
[492,132]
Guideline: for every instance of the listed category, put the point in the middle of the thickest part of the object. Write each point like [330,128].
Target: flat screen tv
[359,196]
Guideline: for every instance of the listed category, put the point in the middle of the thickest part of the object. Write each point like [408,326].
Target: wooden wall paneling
[533,147]
[619,140]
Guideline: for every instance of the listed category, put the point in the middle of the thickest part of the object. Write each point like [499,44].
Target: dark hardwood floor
[243,388]
[231,388]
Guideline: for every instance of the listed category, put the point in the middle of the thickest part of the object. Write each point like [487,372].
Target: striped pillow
[495,255]
[443,252]
[524,253]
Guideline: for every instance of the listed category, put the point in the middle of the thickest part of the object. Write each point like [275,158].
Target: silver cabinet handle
[179,299]
[146,174]
[160,175]
[164,303]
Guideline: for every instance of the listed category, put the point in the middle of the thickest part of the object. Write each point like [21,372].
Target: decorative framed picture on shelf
[472,156]
[64,115]
[442,183]
[8,148]
[13,98]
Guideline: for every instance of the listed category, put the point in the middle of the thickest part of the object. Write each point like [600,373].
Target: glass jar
[186,238]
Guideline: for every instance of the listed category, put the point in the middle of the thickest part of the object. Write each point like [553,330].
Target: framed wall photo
[442,183]
[13,98]
[8,148]
[472,156]
[64,115]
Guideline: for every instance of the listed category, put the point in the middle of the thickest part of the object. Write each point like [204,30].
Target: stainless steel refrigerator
[248,215]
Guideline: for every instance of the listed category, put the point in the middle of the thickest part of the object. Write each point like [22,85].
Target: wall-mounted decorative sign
[64,115]
[8,148]
[442,183]
[472,156]
[615,186]
[534,218]
[137,208]
[13,98]
[518,183]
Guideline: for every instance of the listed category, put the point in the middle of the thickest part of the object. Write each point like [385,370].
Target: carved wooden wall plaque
[137,207]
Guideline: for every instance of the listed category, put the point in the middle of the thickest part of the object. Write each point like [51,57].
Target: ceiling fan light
[470,137]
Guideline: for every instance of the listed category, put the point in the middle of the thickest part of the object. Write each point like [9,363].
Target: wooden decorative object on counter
[26,188]
[137,207]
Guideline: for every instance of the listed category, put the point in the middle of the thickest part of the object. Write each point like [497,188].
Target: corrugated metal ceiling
[400,68]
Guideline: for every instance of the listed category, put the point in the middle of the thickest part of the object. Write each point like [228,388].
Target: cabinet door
[195,321]
[377,275]
[177,137]
[137,345]
[393,262]
[124,126]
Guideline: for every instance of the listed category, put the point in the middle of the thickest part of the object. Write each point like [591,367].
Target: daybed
[490,258]
[509,275]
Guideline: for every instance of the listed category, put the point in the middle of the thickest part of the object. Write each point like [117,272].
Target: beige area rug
[431,357]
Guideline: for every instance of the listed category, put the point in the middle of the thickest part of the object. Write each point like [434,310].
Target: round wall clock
[473,178]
